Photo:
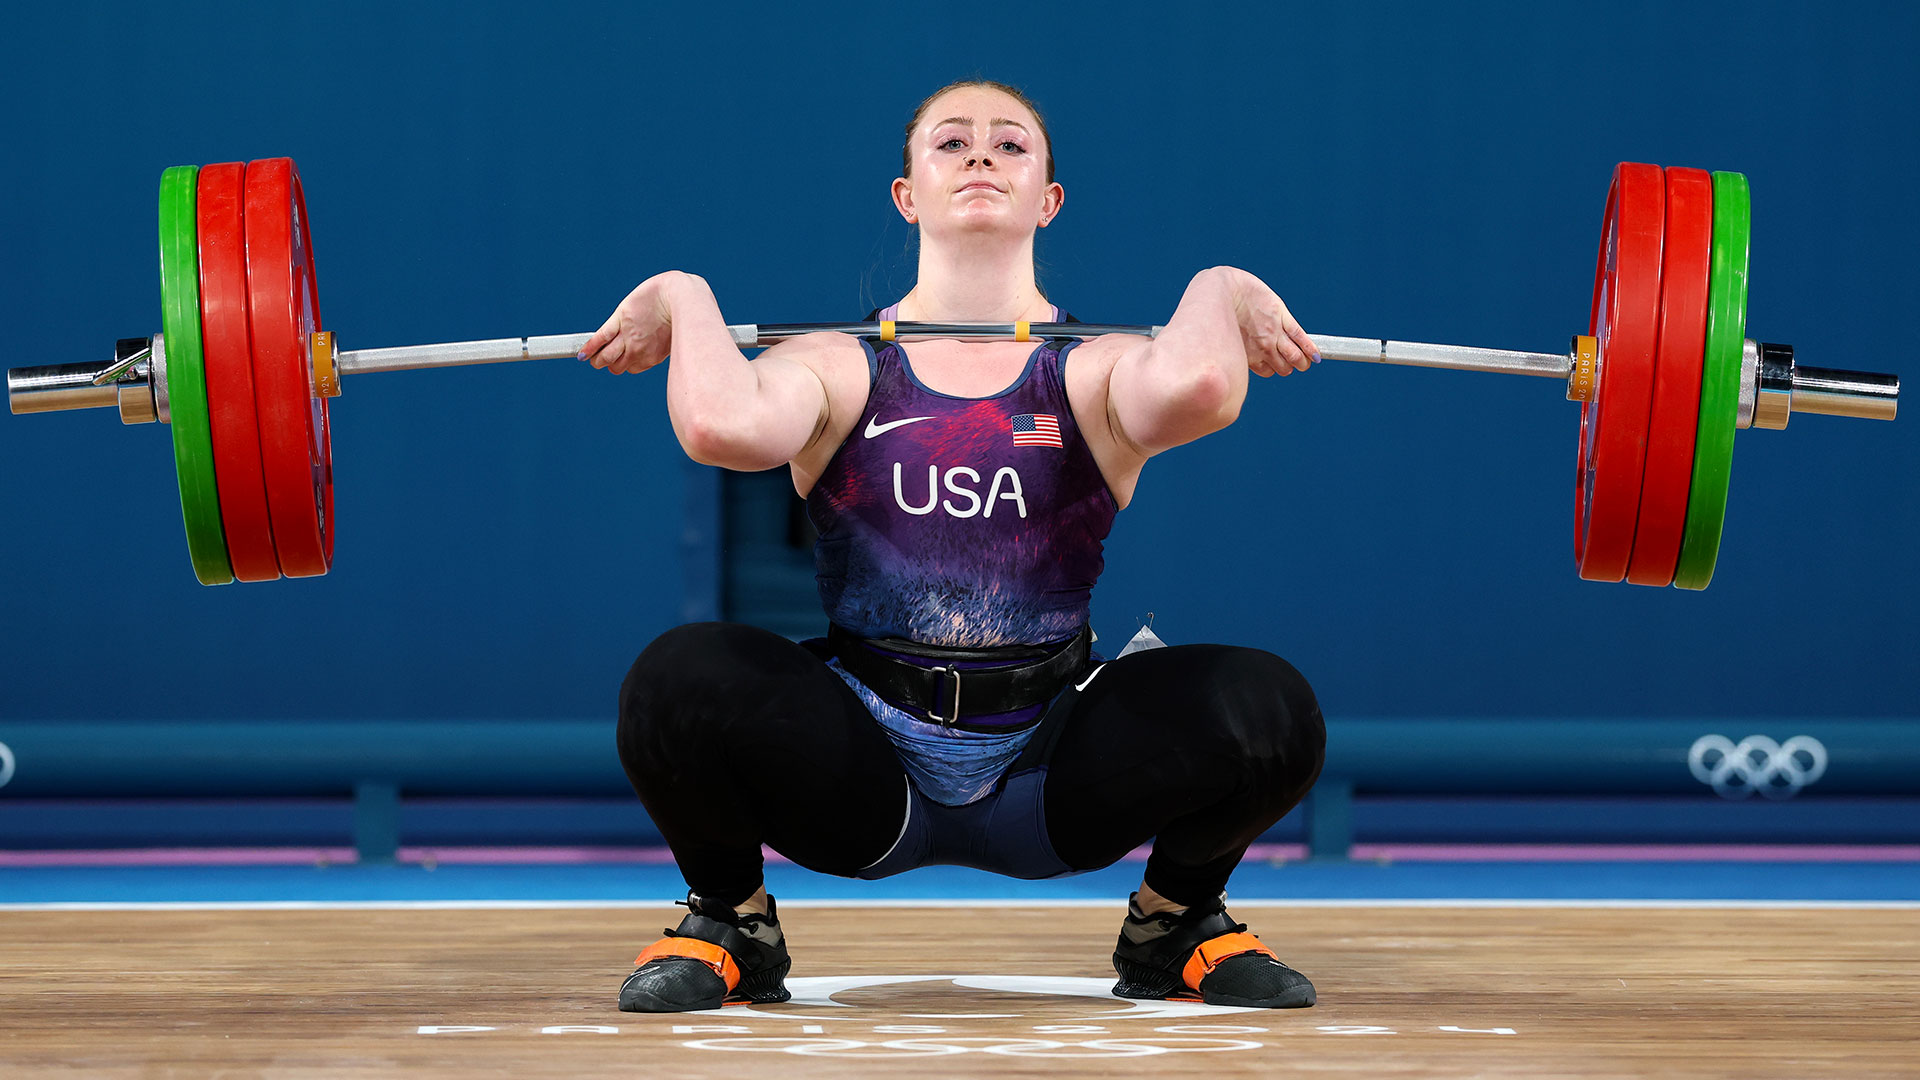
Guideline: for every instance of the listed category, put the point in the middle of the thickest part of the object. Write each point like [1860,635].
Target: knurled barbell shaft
[461,353]
[1451,357]
[745,336]
[755,336]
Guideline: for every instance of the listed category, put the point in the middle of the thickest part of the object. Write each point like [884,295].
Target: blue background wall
[510,536]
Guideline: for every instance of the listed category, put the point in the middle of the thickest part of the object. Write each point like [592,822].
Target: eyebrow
[967,121]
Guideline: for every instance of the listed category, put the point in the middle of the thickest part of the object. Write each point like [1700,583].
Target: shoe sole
[762,988]
[1143,983]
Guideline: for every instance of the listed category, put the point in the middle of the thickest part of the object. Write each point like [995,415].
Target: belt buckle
[932,712]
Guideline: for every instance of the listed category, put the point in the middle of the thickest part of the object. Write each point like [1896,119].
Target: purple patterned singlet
[967,522]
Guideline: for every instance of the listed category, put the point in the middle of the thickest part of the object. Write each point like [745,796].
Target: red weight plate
[229,366]
[1625,320]
[284,302]
[1676,387]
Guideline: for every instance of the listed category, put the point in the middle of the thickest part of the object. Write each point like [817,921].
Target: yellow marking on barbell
[886,330]
[1586,353]
[1020,330]
[326,381]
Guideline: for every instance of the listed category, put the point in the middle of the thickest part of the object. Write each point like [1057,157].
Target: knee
[657,669]
[1274,718]
[659,696]
[692,660]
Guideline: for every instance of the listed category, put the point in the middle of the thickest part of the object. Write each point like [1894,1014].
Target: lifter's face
[979,166]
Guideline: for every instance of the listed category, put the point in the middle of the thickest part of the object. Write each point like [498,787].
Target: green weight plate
[1720,382]
[186,375]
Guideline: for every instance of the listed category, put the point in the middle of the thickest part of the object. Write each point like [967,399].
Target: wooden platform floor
[1414,992]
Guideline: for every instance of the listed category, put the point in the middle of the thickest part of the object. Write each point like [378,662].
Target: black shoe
[1203,952]
[713,958]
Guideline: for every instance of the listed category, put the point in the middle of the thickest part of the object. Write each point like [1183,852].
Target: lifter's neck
[980,278]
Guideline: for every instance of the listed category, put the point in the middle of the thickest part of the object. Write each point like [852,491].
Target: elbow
[725,442]
[701,444]
[1193,405]
[708,440]
[1210,399]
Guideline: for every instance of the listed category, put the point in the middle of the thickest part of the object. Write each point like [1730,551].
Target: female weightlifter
[955,713]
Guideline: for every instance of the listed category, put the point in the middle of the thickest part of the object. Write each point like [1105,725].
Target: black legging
[734,736]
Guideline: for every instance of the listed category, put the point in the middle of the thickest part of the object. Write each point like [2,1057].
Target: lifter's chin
[975,222]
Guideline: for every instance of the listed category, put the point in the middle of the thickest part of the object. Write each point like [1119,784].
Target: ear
[1050,203]
[903,198]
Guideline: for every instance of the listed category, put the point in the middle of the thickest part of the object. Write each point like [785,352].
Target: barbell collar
[126,353]
[1773,385]
[135,396]
[1749,385]
[157,366]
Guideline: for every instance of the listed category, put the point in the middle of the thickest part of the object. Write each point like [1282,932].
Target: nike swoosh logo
[875,427]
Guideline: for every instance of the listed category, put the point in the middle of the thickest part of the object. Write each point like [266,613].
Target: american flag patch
[1037,429]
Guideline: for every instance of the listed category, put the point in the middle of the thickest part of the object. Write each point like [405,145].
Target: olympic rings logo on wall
[1757,763]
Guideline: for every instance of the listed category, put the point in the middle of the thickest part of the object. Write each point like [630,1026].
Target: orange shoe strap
[1212,951]
[715,957]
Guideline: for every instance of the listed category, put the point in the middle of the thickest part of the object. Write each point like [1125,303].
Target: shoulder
[826,352]
[844,365]
[1088,371]
[1094,358]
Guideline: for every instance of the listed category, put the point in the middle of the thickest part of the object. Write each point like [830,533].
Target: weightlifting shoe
[1202,954]
[713,958]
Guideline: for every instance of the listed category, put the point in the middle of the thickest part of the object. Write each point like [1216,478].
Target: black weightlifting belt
[946,694]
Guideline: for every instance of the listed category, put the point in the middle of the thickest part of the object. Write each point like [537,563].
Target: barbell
[243,372]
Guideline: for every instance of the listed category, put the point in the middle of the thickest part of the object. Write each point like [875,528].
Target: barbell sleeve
[58,387]
[1867,395]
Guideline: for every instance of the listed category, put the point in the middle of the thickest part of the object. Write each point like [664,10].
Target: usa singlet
[965,522]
